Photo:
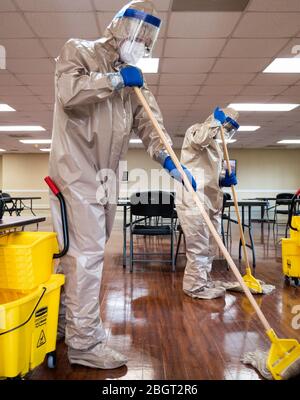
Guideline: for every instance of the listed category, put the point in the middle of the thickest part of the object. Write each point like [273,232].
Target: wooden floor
[168,335]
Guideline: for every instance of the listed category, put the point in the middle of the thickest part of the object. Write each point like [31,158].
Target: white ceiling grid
[207,59]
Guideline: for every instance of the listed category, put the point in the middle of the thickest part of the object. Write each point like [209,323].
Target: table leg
[251,238]
[31,207]
[243,227]
[124,235]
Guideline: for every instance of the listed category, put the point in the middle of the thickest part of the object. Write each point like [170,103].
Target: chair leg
[172,251]
[131,252]
[178,246]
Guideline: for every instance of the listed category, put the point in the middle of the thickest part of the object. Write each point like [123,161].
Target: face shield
[230,128]
[138,33]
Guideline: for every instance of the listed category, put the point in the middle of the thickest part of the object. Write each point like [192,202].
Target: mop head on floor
[236,287]
[258,360]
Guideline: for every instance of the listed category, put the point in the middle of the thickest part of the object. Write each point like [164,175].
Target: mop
[255,286]
[283,358]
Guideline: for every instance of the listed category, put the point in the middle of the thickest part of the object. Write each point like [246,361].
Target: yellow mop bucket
[26,259]
[28,326]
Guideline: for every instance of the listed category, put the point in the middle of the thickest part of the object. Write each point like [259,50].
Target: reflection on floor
[167,335]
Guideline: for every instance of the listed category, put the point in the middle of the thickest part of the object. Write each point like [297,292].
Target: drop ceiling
[207,58]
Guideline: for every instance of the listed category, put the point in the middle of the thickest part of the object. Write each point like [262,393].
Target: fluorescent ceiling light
[2,150]
[148,65]
[45,149]
[21,128]
[227,141]
[284,66]
[36,141]
[135,141]
[6,107]
[263,107]
[248,128]
[289,141]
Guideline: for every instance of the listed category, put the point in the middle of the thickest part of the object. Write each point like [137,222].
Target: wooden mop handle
[236,206]
[196,198]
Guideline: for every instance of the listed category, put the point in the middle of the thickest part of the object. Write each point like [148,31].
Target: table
[247,204]
[18,222]
[18,204]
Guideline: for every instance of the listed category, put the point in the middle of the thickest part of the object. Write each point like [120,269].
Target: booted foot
[207,293]
[100,356]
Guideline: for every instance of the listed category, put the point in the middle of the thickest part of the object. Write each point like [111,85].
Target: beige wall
[260,172]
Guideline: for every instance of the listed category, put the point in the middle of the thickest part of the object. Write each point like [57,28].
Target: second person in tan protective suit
[202,154]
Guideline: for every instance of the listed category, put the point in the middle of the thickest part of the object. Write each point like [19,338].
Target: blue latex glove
[219,115]
[228,180]
[173,171]
[132,76]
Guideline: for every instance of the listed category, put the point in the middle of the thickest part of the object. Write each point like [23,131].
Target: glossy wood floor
[168,335]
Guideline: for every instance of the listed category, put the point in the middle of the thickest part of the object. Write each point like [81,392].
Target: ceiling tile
[59,25]
[54,46]
[295,99]
[42,90]
[253,48]
[202,24]
[292,91]
[23,48]
[31,107]
[180,65]
[175,99]
[7,5]
[252,99]
[46,99]
[8,80]
[13,26]
[229,79]
[291,49]
[151,79]
[178,90]
[167,106]
[268,25]
[54,5]
[276,79]
[105,19]
[182,79]
[16,100]
[15,91]
[193,47]
[262,90]
[36,79]
[216,90]
[241,64]
[116,5]
[30,66]
[274,5]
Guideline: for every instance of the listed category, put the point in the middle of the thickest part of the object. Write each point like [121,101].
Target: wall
[260,173]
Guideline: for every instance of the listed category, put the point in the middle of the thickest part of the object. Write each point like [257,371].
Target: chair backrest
[226,197]
[152,204]
[283,196]
[6,197]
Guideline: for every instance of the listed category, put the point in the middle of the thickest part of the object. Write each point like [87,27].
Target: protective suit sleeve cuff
[116,80]
[161,157]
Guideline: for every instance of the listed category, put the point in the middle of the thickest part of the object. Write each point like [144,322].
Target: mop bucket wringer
[29,297]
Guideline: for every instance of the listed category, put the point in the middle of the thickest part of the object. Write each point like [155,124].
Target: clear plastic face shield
[139,34]
[230,128]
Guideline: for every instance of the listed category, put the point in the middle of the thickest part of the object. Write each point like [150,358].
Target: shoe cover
[258,360]
[236,287]
[100,356]
[207,293]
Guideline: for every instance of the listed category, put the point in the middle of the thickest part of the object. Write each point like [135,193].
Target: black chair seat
[282,212]
[151,230]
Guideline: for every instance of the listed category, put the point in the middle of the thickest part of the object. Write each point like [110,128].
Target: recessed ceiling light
[284,66]
[148,65]
[6,107]
[227,141]
[248,128]
[289,141]
[36,141]
[135,141]
[21,128]
[263,107]
[45,149]
[2,150]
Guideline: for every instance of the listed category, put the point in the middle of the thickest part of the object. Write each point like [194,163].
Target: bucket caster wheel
[51,360]
[287,280]
[296,281]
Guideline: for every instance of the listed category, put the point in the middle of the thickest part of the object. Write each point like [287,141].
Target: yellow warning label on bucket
[42,339]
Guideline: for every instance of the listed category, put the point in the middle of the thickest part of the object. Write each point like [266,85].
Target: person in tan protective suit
[202,154]
[95,112]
